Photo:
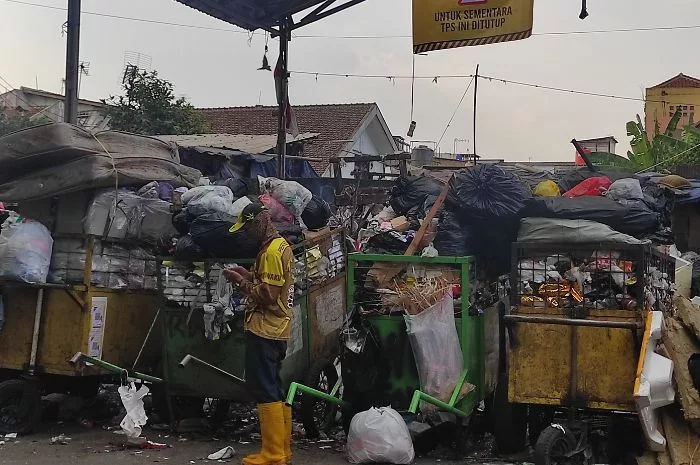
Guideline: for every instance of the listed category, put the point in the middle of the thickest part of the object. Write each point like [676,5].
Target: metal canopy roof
[267,14]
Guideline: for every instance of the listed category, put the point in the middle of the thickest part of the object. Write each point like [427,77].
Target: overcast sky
[218,68]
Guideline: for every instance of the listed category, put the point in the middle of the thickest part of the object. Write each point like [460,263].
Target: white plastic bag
[291,194]
[625,189]
[379,435]
[25,250]
[436,349]
[209,199]
[239,205]
[135,413]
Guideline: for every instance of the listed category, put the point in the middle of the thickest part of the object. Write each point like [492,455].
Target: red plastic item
[595,186]
[278,212]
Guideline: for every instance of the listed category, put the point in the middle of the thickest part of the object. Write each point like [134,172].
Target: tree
[663,151]
[14,120]
[149,107]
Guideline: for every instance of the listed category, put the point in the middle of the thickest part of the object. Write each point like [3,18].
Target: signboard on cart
[443,24]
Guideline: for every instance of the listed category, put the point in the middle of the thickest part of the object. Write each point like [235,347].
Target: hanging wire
[413,85]
[456,109]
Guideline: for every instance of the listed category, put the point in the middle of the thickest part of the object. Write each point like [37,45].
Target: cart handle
[191,358]
[80,358]
[572,322]
[295,388]
[419,396]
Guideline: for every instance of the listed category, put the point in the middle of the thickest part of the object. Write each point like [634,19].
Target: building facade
[664,99]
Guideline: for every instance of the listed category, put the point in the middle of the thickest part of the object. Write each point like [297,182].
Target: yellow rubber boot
[273,430]
[288,433]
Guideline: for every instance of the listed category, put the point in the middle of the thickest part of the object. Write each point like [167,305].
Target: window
[685,107]
[692,107]
[672,107]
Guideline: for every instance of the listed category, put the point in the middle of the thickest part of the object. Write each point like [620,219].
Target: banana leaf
[673,124]
[641,154]
[610,160]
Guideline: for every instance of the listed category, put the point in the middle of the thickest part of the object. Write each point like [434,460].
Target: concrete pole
[70,105]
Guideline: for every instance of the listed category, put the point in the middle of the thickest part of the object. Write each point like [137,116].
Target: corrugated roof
[680,81]
[241,142]
[334,124]
[251,14]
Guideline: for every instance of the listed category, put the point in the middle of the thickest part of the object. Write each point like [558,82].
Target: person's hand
[231,275]
[245,274]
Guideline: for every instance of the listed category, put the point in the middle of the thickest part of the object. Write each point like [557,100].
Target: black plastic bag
[316,214]
[182,221]
[211,233]
[411,191]
[387,243]
[639,218]
[186,249]
[239,186]
[487,192]
[592,208]
[454,237]
[291,232]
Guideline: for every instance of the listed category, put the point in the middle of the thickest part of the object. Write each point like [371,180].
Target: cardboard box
[400,224]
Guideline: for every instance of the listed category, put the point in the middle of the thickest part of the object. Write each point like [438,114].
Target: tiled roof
[335,124]
[680,81]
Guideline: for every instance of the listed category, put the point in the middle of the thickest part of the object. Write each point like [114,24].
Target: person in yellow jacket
[269,288]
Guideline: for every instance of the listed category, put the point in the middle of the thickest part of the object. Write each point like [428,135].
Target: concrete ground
[99,447]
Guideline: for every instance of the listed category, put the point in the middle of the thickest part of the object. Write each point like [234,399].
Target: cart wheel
[509,420]
[538,418]
[552,446]
[317,415]
[20,406]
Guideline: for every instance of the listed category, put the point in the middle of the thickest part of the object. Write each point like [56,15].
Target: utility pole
[70,104]
[283,98]
[476,91]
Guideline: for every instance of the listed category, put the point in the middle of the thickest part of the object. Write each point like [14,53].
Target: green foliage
[149,107]
[664,151]
[14,120]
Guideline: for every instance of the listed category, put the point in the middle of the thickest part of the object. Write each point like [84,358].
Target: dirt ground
[99,447]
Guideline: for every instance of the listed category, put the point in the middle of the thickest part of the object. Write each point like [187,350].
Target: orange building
[664,99]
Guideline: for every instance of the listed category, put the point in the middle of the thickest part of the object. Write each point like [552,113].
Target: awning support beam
[322,12]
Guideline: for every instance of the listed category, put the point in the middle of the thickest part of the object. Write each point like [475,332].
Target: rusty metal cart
[574,342]
[46,324]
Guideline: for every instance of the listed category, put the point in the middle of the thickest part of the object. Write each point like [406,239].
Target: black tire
[509,420]
[552,444]
[20,406]
[318,415]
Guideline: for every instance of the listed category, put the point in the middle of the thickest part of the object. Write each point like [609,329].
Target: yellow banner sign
[441,24]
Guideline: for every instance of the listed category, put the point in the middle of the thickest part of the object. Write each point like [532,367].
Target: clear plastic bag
[208,199]
[278,212]
[379,435]
[25,250]
[135,413]
[433,337]
[291,194]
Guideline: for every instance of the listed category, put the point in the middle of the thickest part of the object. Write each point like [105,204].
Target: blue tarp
[224,164]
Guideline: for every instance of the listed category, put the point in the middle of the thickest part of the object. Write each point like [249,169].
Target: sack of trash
[547,188]
[625,189]
[316,214]
[410,192]
[203,200]
[291,194]
[211,233]
[487,192]
[454,237]
[550,230]
[278,212]
[25,250]
[594,186]
[379,435]
[435,345]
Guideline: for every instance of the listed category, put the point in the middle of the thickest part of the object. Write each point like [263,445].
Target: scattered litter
[324,447]
[326,440]
[11,436]
[223,454]
[244,442]
[2,443]
[150,445]
[61,439]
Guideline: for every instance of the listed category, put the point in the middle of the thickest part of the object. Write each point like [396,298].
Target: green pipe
[294,387]
[419,396]
[336,388]
[80,357]
[458,388]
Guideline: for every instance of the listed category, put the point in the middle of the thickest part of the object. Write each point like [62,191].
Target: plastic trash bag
[379,435]
[547,188]
[291,194]
[454,237]
[317,213]
[592,186]
[625,189]
[135,418]
[435,345]
[239,205]
[208,199]
[487,192]
[410,192]
[278,212]
[25,250]
[548,230]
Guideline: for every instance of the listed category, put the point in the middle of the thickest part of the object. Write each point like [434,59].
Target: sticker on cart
[98,318]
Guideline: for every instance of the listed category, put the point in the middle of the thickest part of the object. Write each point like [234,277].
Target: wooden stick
[413,248]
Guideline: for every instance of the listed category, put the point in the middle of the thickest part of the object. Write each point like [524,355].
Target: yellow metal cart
[46,324]
[575,332]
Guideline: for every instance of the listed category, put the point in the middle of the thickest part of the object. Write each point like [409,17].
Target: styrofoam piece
[653,387]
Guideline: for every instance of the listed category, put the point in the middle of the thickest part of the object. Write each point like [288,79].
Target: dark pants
[263,362]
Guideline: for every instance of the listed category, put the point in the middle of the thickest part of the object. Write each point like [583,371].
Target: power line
[348,37]
[456,109]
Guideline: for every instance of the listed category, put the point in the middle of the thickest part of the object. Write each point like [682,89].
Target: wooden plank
[680,345]
[689,314]
[413,248]
[682,444]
